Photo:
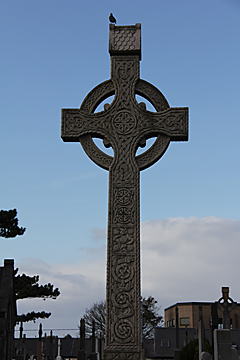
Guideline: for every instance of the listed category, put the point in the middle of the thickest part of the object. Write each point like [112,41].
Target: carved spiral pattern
[124,271]
[122,299]
[124,330]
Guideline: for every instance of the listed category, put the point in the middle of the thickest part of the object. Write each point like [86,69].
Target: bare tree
[149,311]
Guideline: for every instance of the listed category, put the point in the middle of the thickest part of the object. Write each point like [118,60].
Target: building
[188,315]
[167,340]
[7,310]
[196,318]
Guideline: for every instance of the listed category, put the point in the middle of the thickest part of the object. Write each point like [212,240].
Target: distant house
[188,314]
[7,310]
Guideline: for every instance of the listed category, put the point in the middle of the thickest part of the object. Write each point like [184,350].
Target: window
[171,323]
[184,321]
[165,343]
[220,323]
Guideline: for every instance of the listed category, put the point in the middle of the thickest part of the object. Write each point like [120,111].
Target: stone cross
[125,125]
[226,305]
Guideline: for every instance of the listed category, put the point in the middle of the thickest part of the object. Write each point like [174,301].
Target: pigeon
[112,19]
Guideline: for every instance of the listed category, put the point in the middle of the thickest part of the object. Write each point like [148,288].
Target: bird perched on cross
[112,19]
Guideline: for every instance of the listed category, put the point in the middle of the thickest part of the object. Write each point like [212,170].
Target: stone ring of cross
[103,91]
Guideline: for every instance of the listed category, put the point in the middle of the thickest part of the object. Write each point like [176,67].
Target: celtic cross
[226,305]
[124,125]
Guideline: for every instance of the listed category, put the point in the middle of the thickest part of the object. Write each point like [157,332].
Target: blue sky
[52,54]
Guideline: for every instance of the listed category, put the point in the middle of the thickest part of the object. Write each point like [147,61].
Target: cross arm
[172,122]
[76,122]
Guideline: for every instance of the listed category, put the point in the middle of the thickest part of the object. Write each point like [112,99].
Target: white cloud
[190,259]
[183,259]
[80,285]
[99,234]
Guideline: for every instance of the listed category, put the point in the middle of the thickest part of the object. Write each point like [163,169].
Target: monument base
[122,355]
[81,355]
[222,344]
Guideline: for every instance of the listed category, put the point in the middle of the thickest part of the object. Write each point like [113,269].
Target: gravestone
[39,343]
[59,350]
[81,351]
[125,125]
[222,344]
[7,309]
[201,332]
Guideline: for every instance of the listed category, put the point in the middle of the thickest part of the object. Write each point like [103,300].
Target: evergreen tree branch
[32,316]
[28,287]
[9,224]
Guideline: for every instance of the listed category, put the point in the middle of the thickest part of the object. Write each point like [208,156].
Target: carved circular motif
[124,329]
[124,272]
[124,122]
[148,158]
[122,299]
[123,215]
[123,196]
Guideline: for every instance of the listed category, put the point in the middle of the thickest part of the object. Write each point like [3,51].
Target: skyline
[53,55]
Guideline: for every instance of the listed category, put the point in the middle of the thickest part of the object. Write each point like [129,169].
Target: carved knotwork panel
[123,240]
[123,255]
[123,206]
[122,302]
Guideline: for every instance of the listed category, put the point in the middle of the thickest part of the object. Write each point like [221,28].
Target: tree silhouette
[149,312]
[9,224]
[25,286]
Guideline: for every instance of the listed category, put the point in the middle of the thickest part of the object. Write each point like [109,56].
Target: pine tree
[25,286]
[9,224]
